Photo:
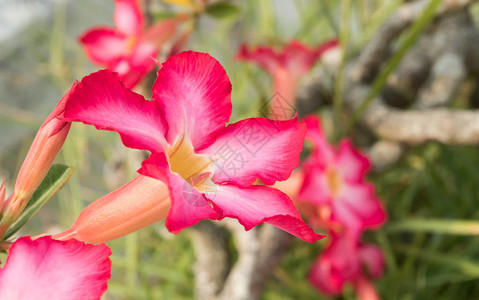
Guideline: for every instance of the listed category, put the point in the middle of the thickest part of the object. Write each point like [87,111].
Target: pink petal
[128,17]
[104,45]
[322,153]
[102,100]
[256,148]
[129,76]
[352,165]
[324,278]
[257,204]
[194,92]
[50,269]
[188,206]
[365,290]
[315,187]
[265,57]
[361,200]
[373,258]
[337,265]
[298,58]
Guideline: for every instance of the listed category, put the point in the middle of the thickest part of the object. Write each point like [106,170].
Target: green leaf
[163,15]
[56,177]
[222,10]
[454,227]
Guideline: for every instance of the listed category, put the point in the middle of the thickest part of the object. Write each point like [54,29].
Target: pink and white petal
[326,46]
[130,77]
[142,58]
[337,265]
[194,92]
[315,187]
[373,258]
[102,100]
[361,200]
[265,57]
[188,206]
[128,17]
[324,278]
[352,165]
[323,153]
[350,221]
[256,148]
[257,204]
[298,58]
[51,269]
[104,45]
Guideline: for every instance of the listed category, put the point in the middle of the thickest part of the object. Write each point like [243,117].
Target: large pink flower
[211,169]
[50,269]
[286,67]
[127,49]
[347,261]
[335,185]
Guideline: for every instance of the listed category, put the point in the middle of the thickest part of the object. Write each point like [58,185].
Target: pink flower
[50,269]
[347,261]
[334,185]
[286,67]
[210,168]
[127,49]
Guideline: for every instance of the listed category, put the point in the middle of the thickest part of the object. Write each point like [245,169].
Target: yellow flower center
[334,181]
[192,167]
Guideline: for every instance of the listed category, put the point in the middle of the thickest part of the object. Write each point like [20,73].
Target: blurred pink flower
[210,168]
[128,48]
[50,269]
[335,188]
[347,261]
[286,67]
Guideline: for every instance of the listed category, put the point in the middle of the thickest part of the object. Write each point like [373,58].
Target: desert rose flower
[128,48]
[347,261]
[335,187]
[50,269]
[286,66]
[210,169]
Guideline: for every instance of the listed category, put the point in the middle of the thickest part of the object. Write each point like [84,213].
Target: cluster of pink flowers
[329,188]
[336,197]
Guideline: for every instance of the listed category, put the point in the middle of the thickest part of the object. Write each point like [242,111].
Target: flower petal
[322,153]
[128,17]
[194,92]
[104,45]
[337,265]
[373,258]
[361,200]
[265,57]
[257,204]
[102,100]
[351,163]
[188,206]
[50,269]
[256,148]
[298,58]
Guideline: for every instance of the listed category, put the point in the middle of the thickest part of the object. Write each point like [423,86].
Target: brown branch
[210,242]
[379,47]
